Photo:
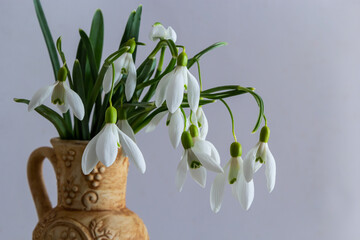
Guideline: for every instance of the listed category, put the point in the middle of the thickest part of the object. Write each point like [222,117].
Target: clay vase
[89,206]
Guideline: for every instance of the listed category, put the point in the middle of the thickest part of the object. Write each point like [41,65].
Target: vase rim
[58,141]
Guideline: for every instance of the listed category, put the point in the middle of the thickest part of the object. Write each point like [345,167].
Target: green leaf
[47,36]
[97,36]
[52,116]
[90,53]
[144,73]
[193,60]
[132,28]
[78,80]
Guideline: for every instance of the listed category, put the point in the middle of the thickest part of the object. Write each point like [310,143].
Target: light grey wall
[303,57]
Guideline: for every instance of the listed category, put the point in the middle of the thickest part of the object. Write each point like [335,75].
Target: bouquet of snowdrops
[113,100]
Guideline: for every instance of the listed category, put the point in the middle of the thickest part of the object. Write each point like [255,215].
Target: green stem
[232,118]
[161,62]
[184,115]
[112,83]
[198,65]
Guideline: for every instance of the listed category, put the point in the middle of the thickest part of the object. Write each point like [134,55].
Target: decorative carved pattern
[99,232]
[69,157]
[89,199]
[70,190]
[95,176]
[59,233]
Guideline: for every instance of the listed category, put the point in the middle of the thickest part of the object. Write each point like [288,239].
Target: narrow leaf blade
[48,38]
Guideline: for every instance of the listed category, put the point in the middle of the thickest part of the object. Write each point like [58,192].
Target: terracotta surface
[89,206]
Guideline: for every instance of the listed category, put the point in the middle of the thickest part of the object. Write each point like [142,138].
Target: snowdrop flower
[123,65]
[259,155]
[159,32]
[124,125]
[171,87]
[242,190]
[61,95]
[197,157]
[201,121]
[104,146]
[176,125]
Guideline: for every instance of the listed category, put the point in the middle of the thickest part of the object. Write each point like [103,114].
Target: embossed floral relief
[70,190]
[95,177]
[69,157]
[99,231]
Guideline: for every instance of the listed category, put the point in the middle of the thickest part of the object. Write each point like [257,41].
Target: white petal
[175,90]
[194,118]
[89,158]
[217,192]
[132,151]
[249,163]
[107,145]
[176,128]
[199,175]
[270,169]
[204,123]
[181,172]
[75,103]
[155,121]
[162,88]
[157,32]
[206,159]
[130,84]
[245,191]
[40,96]
[107,81]
[193,91]
[126,128]
[119,64]
[214,153]
[63,107]
[171,34]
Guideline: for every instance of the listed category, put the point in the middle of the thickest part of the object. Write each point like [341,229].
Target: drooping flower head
[197,157]
[124,65]
[61,95]
[201,121]
[124,125]
[233,171]
[104,146]
[259,155]
[172,86]
[159,32]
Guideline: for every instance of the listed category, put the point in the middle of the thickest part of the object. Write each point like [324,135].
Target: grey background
[303,57]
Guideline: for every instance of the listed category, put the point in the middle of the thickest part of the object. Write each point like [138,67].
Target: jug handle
[36,180]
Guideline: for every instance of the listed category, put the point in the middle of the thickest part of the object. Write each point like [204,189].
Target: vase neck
[103,189]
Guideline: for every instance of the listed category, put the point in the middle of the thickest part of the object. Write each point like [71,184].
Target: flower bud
[235,149]
[194,131]
[234,170]
[62,74]
[110,115]
[186,140]
[132,44]
[182,59]
[265,134]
